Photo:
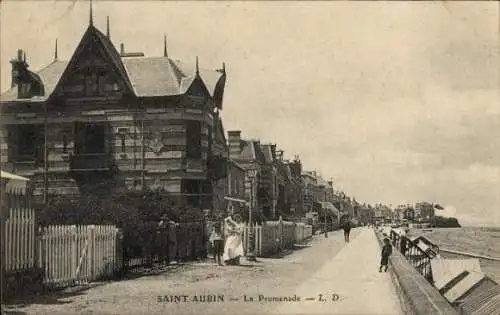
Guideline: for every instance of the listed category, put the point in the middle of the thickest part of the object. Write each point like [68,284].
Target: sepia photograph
[250,157]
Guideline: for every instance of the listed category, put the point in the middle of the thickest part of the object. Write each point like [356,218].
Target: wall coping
[417,295]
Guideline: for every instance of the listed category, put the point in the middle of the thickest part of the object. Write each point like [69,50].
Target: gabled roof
[93,35]
[267,152]
[145,76]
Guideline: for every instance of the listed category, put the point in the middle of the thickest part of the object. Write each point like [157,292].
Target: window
[92,84]
[25,90]
[65,144]
[75,84]
[193,139]
[30,142]
[90,138]
[123,143]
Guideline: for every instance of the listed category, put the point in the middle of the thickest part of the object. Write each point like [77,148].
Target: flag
[438,207]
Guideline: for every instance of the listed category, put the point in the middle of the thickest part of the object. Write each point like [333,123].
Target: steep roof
[248,150]
[145,76]
[218,130]
[49,76]
[267,153]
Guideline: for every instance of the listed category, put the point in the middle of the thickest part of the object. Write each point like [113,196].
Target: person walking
[386,252]
[347,229]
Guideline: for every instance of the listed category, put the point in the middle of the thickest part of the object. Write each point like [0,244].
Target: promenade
[353,275]
[328,267]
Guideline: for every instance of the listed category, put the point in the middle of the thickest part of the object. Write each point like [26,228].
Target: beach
[478,240]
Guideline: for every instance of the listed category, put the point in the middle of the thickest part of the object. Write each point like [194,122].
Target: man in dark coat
[347,229]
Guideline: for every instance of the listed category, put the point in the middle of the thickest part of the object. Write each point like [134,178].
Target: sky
[397,102]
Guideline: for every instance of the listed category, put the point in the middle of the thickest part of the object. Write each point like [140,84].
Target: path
[328,267]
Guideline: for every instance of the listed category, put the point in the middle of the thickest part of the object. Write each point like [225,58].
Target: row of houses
[108,120]
[418,213]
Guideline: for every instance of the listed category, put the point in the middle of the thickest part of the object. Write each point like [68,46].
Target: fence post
[90,251]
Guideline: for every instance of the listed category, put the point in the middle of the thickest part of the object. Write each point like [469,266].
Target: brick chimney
[19,68]
[234,140]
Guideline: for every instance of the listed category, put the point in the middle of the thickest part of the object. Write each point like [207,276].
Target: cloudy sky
[397,102]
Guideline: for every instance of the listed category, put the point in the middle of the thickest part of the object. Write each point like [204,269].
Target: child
[386,252]
[217,242]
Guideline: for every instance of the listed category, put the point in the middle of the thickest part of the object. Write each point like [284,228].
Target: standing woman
[233,247]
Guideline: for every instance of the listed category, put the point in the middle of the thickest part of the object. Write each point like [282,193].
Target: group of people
[226,240]
[386,248]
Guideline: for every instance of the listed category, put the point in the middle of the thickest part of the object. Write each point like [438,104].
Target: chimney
[19,68]
[124,54]
[234,139]
[280,155]
[273,150]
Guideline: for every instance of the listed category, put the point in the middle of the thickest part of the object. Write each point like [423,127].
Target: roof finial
[108,35]
[55,51]
[223,67]
[165,53]
[197,66]
[91,18]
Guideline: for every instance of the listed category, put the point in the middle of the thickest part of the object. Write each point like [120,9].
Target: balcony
[90,162]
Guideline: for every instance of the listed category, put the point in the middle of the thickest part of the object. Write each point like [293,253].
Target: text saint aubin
[208,298]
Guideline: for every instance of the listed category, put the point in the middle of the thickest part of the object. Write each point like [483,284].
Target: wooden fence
[19,240]
[274,236]
[71,254]
[150,243]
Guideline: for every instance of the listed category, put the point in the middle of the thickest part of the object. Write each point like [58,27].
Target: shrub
[123,209]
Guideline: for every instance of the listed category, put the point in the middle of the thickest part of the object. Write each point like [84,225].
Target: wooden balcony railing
[90,162]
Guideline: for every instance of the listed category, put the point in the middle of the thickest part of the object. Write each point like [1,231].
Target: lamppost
[251,173]
[326,208]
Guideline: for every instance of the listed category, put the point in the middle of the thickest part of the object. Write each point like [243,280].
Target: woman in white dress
[233,247]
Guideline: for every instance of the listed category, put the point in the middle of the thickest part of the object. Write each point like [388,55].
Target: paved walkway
[328,266]
[351,276]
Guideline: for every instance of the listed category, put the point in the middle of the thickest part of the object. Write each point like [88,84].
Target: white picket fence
[19,235]
[72,254]
[274,236]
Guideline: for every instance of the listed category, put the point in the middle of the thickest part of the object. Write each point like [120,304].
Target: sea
[484,241]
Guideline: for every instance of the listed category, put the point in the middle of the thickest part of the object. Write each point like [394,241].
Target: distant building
[234,190]
[424,211]
[248,154]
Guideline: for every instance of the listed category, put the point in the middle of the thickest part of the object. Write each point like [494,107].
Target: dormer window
[24,90]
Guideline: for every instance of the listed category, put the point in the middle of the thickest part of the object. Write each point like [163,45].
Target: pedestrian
[233,245]
[347,230]
[217,240]
[386,252]
[404,245]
